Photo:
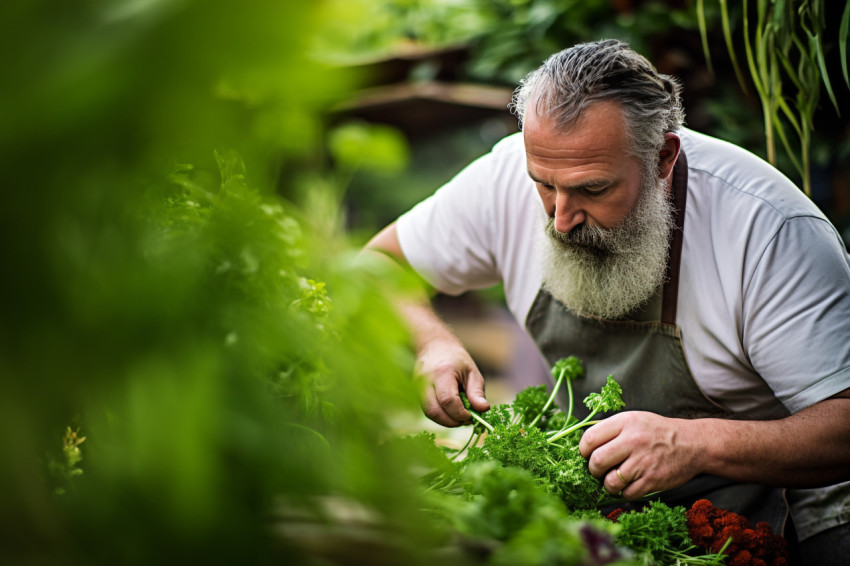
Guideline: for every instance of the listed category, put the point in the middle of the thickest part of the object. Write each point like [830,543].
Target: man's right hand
[442,359]
[449,369]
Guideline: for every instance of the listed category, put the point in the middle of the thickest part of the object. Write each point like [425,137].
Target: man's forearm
[807,449]
[441,356]
[426,327]
[637,452]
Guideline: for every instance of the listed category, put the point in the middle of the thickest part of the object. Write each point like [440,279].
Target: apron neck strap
[674,257]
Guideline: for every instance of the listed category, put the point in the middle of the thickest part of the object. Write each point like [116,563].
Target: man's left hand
[637,452]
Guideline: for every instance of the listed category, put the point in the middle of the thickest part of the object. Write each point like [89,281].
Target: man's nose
[568,214]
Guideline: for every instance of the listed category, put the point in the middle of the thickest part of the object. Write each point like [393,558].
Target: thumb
[474,389]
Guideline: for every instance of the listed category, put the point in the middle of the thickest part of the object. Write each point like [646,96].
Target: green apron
[646,356]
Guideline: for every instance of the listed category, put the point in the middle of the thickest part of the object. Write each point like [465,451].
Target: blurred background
[192,355]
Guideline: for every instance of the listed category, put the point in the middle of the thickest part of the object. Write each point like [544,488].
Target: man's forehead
[594,115]
[599,134]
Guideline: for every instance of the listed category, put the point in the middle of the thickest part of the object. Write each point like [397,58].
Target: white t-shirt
[764,283]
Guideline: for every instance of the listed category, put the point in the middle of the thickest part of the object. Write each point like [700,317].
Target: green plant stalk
[471,441]
[843,34]
[586,422]
[551,397]
[486,425]
[570,410]
[727,36]
[682,557]
[756,74]
[570,400]
[704,34]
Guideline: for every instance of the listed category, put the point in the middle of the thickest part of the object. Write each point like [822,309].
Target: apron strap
[674,258]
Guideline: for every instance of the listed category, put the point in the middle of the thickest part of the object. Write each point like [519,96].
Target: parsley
[609,400]
[661,531]
[534,434]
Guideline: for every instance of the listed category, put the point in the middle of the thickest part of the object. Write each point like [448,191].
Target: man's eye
[595,190]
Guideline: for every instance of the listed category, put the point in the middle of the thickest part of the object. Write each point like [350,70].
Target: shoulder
[738,203]
[740,181]
[760,265]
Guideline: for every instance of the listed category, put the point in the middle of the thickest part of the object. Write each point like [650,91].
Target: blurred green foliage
[506,39]
[161,300]
[509,38]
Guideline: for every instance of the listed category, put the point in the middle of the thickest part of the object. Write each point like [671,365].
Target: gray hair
[609,70]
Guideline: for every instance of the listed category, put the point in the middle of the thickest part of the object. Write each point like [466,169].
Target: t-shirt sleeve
[797,313]
[447,239]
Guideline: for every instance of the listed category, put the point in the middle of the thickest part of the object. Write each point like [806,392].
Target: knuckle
[449,368]
[446,398]
[595,460]
[433,412]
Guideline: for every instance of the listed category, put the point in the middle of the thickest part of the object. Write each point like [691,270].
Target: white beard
[608,273]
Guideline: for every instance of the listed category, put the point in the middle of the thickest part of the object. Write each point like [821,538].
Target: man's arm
[442,358]
[808,449]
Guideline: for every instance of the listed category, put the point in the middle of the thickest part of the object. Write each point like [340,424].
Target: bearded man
[711,288]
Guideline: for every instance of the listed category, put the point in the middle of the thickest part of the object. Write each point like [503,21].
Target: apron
[646,356]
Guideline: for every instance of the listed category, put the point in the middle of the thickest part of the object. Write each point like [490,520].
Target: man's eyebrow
[591,184]
[534,178]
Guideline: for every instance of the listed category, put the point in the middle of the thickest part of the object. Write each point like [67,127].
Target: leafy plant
[661,532]
[169,302]
[64,470]
[528,497]
[534,434]
[785,49]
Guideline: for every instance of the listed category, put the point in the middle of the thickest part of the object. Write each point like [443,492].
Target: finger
[616,481]
[474,387]
[447,395]
[636,489]
[608,456]
[600,434]
[434,411]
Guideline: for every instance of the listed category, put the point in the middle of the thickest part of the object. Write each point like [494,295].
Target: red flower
[701,535]
[702,506]
[710,528]
[746,538]
[728,519]
[615,514]
[743,558]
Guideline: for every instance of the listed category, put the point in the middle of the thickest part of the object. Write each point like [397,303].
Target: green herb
[534,434]
[609,400]
[518,522]
[661,531]
[525,493]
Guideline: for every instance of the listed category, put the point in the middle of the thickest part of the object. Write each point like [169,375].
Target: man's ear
[668,154]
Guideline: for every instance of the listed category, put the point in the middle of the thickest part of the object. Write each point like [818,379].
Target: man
[711,288]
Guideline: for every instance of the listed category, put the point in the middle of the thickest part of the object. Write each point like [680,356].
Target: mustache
[583,235]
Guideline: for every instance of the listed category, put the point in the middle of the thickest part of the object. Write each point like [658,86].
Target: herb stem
[469,442]
[486,425]
[551,397]
[575,427]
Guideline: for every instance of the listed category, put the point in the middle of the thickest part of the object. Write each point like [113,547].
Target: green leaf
[656,529]
[703,33]
[358,145]
[815,44]
[571,367]
[843,34]
[610,399]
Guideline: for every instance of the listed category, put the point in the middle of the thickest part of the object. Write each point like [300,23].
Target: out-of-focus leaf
[374,147]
